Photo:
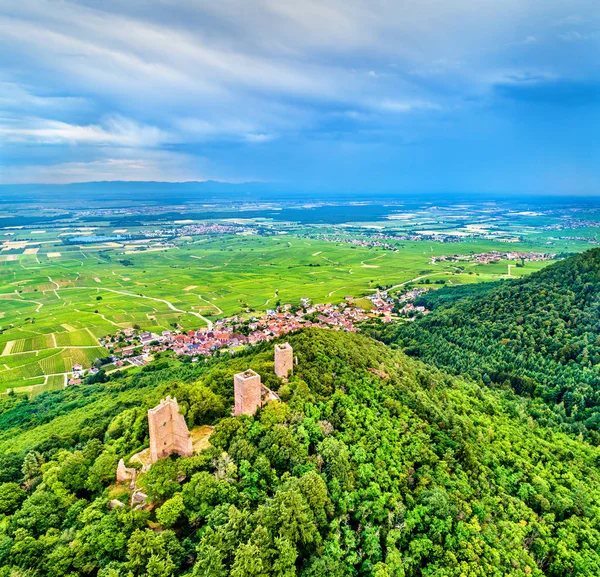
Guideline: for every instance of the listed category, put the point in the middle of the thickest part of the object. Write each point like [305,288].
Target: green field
[57,300]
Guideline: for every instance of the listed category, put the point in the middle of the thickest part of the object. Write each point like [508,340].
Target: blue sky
[462,96]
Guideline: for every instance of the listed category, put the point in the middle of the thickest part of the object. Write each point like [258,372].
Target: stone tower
[168,431]
[284,360]
[247,393]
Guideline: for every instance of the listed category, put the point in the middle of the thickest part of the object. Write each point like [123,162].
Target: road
[414,280]
[140,296]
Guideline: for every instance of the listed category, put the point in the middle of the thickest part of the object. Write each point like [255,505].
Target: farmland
[64,287]
[64,304]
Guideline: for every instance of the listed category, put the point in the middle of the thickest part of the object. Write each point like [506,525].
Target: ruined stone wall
[124,474]
[168,431]
[284,360]
[247,393]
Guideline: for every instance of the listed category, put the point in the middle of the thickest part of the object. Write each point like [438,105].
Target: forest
[372,464]
[539,336]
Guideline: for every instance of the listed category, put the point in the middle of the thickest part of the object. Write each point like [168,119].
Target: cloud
[116,164]
[216,79]
[525,77]
[404,106]
[577,36]
[115,131]
[15,97]
[258,138]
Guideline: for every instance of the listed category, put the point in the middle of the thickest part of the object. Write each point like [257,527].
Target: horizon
[322,96]
[282,193]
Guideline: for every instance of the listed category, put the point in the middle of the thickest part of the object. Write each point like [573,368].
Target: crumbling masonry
[284,360]
[250,393]
[124,474]
[168,432]
[247,392]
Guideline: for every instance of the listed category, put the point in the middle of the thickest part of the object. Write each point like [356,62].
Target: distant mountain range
[152,191]
[132,193]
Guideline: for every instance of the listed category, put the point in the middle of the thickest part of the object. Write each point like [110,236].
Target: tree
[11,497]
[160,566]
[203,406]
[171,511]
[143,546]
[102,472]
[40,511]
[248,562]
[204,492]
[31,469]
[160,481]
[210,562]
[74,470]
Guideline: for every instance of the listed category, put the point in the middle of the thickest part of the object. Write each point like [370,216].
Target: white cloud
[115,131]
[405,106]
[258,138]
[142,74]
[116,164]
[577,36]
[523,77]
[13,96]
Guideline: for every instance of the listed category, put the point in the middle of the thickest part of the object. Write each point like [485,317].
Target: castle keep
[250,393]
[168,432]
[284,360]
[247,390]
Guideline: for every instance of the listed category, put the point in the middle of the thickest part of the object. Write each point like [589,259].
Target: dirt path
[91,335]
[139,296]
[329,260]
[336,290]
[208,322]
[413,280]
[219,311]
[56,287]
[269,300]
[7,348]
[46,376]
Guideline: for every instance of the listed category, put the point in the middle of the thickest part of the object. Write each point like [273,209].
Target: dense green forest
[539,335]
[373,464]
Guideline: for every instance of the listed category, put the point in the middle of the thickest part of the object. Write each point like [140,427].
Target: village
[377,240]
[494,256]
[132,347]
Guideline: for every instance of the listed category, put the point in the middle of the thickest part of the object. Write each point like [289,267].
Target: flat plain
[64,288]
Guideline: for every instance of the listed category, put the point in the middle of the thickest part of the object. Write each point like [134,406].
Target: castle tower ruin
[247,393]
[124,473]
[168,432]
[284,360]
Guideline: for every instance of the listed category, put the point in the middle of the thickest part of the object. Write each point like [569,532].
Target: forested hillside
[372,465]
[539,335]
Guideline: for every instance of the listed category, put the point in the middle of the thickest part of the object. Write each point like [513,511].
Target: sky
[490,96]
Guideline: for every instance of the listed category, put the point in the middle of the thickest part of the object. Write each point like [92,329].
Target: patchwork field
[57,299]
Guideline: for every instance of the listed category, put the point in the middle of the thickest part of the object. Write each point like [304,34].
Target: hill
[373,465]
[540,335]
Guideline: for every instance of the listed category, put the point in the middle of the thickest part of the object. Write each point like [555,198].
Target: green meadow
[57,300]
